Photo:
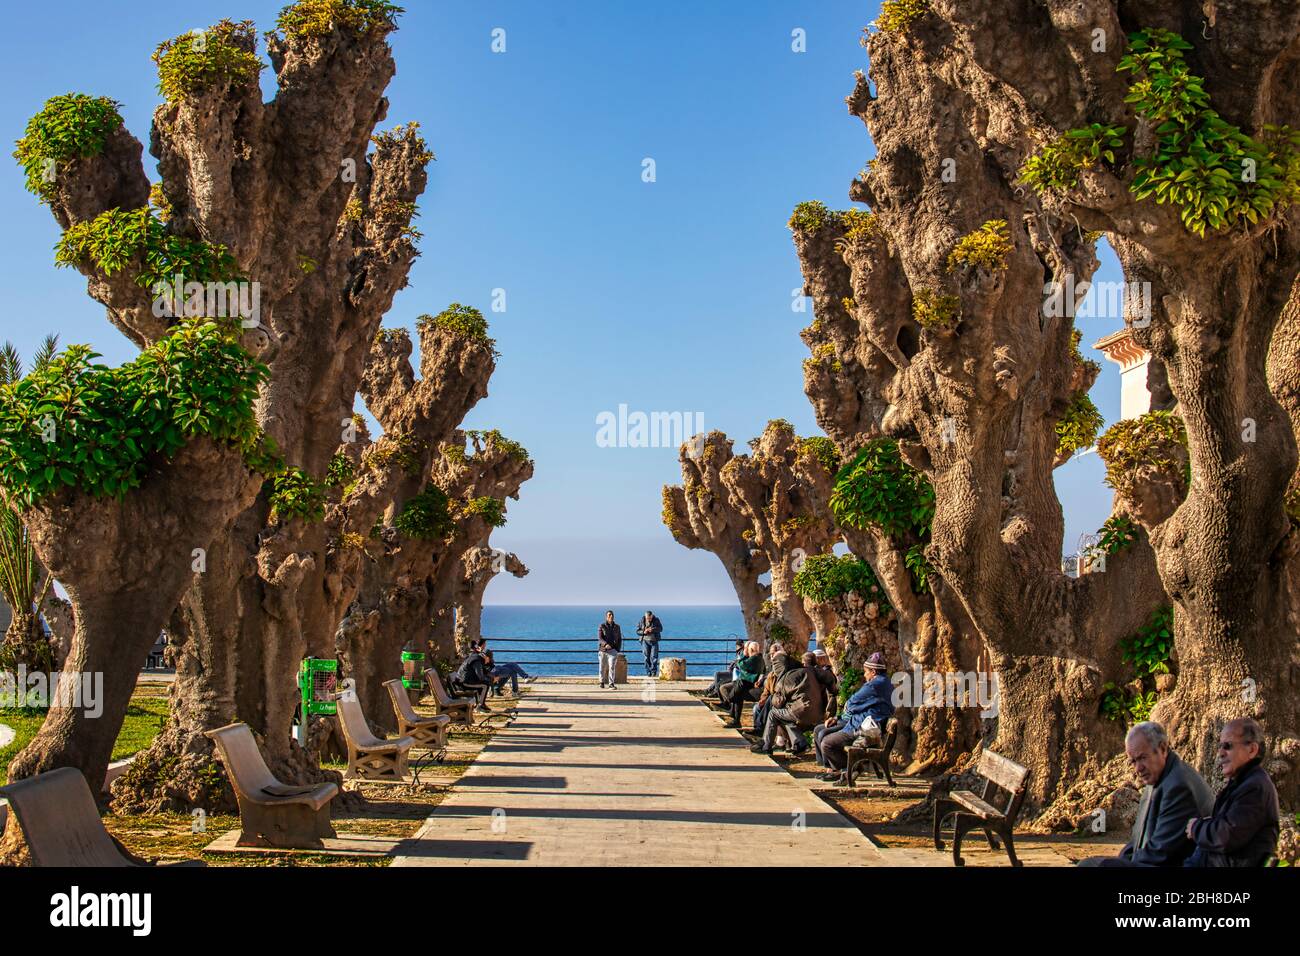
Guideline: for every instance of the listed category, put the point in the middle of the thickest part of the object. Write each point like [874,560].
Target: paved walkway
[639,776]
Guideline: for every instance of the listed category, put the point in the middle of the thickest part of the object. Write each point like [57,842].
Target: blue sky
[666,296]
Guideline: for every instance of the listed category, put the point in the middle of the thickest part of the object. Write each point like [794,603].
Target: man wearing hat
[864,714]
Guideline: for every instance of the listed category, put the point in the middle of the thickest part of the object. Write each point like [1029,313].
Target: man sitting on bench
[1173,793]
[864,714]
[473,679]
[1243,829]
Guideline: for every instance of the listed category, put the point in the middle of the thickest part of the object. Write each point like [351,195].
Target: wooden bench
[993,811]
[61,825]
[371,757]
[429,733]
[876,756]
[271,813]
[460,710]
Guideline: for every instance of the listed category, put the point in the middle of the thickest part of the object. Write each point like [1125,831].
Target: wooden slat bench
[61,825]
[271,813]
[371,757]
[993,811]
[429,733]
[876,756]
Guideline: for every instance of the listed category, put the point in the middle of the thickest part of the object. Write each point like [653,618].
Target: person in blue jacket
[864,714]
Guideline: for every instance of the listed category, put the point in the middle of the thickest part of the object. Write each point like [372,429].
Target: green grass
[144,718]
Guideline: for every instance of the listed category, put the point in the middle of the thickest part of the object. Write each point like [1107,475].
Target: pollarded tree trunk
[58,615]
[1221,257]
[409,593]
[480,566]
[26,645]
[481,484]
[856,351]
[325,229]
[945,345]
[700,515]
[145,545]
[783,491]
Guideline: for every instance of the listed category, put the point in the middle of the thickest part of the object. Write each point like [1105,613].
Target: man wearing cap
[864,714]
[648,630]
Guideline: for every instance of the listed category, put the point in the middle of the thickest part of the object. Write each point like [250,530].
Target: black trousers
[735,694]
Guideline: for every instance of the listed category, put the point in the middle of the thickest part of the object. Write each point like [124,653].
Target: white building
[1132,359]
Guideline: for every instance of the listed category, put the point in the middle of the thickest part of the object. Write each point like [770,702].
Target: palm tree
[21,585]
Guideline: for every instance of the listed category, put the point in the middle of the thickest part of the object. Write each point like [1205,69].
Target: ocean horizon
[560,639]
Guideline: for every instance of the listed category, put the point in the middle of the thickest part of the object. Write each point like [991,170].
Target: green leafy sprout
[72,126]
[461,320]
[985,248]
[296,495]
[878,491]
[897,15]
[491,510]
[196,62]
[1148,651]
[72,423]
[824,577]
[823,449]
[427,516]
[1058,166]
[318,18]
[1079,426]
[1146,441]
[114,240]
[1217,176]
[935,310]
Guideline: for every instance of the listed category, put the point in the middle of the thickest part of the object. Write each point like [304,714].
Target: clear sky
[672,295]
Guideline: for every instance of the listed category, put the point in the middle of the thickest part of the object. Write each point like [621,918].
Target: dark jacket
[874,699]
[472,670]
[832,684]
[1159,833]
[610,634]
[805,692]
[650,632]
[1243,829]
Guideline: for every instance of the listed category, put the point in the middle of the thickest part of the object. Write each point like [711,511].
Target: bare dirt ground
[391,810]
[892,817]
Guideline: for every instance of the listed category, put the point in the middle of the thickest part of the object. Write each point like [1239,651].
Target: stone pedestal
[620,669]
[672,668]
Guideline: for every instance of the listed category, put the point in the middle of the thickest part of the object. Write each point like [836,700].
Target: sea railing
[722,651]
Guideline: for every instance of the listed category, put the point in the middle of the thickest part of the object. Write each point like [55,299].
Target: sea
[560,640]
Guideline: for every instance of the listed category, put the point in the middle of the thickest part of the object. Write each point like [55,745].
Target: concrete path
[638,776]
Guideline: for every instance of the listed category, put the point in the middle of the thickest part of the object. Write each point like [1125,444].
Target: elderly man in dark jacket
[1173,792]
[1243,828]
[800,702]
[473,677]
[649,629]
[609,641]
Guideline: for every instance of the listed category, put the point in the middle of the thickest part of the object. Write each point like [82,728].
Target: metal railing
[723,650]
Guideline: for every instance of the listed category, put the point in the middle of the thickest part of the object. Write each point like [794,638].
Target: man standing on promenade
[649,629]
[609,641]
